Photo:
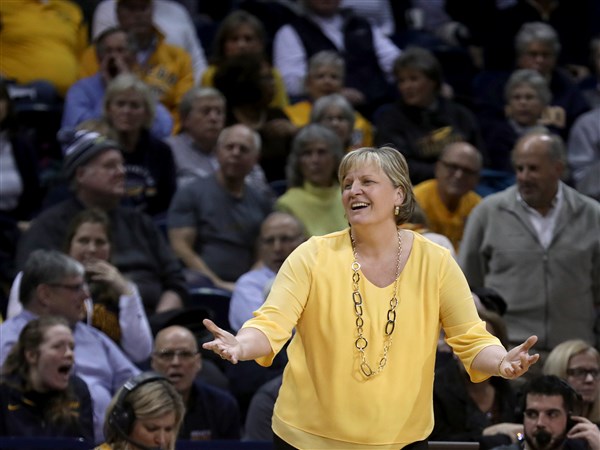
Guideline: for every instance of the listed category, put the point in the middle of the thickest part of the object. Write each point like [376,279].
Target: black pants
[280,444]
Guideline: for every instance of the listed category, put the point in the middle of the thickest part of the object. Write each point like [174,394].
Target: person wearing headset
[145,414]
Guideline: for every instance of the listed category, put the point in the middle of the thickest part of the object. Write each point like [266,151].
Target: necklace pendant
[366,369]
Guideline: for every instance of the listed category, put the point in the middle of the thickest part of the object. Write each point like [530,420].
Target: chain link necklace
[361,341]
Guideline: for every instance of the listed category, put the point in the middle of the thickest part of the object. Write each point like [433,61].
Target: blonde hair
[557,364]
[393,165]
[150,400]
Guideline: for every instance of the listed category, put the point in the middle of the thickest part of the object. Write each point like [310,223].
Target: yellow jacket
[42,41]
[440,219]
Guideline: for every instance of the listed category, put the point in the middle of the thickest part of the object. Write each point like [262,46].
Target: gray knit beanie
[80,147]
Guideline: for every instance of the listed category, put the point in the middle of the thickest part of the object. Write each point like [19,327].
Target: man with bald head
[213,221]
[537,243]
[211,413]
[448,199]
[280,234]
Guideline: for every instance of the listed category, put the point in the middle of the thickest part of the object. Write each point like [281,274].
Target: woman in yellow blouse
[367,305]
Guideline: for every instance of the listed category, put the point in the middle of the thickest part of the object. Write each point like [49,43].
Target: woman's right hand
[224,344]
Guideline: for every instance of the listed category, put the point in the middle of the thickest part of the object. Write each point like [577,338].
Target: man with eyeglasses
[211,413]
[53,284]
[448,199]
[537,244]
[550,421]
[280,234]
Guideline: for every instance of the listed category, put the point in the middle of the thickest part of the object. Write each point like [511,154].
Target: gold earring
[396,210]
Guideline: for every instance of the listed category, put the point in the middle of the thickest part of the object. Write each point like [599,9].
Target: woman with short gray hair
[314,194]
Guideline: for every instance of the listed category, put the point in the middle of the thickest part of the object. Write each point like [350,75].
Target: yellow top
[41,41]
[362,135]
[441,220]
[325,402]
[280,99]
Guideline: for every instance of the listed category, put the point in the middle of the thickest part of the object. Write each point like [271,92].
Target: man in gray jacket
[538,244]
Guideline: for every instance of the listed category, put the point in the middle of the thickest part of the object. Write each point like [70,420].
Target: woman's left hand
[517,360]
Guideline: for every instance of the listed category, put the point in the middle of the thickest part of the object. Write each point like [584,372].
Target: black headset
[122,416]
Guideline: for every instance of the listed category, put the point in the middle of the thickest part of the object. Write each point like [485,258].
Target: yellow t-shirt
[441,220]
[41,41]
[280,99]
[362,135]
[325,402]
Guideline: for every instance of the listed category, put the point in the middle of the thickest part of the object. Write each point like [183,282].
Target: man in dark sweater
[94,167]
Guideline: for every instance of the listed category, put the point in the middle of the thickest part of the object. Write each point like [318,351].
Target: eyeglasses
[169,355]
[455,168]
[284,239]
[79,287]
[582,373]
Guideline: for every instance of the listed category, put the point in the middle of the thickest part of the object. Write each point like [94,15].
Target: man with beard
[548,421]
[536,243]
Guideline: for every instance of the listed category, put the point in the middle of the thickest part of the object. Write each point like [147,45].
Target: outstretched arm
[495,360]
[248,344]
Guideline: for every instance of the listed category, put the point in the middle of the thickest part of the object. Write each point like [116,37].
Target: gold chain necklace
[361,341]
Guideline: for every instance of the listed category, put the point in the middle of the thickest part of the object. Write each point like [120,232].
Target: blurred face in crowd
[135,16]
[90,242]
[537,173]
[583,373]
[127,111]
[317,164]
[324,8]
[115,46]
[103,176]
[205,121]
[334,119]
[324,80]
[154,432]
[545,421]
[243,40]
[176,357]
[538,56]
[457,170]
[280,234]
[236,152]
[50,366]
[65,298]
[416,88]
[524,105]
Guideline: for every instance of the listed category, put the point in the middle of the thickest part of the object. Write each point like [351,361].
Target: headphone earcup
[122,417]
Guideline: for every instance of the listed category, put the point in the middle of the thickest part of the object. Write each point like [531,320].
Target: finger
[529,342]
[212,327]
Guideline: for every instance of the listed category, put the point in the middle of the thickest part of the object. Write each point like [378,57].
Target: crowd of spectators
[152,150]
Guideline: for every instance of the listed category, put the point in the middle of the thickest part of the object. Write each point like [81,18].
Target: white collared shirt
[544,225]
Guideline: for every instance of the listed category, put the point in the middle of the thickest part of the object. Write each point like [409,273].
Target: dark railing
[30,443]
